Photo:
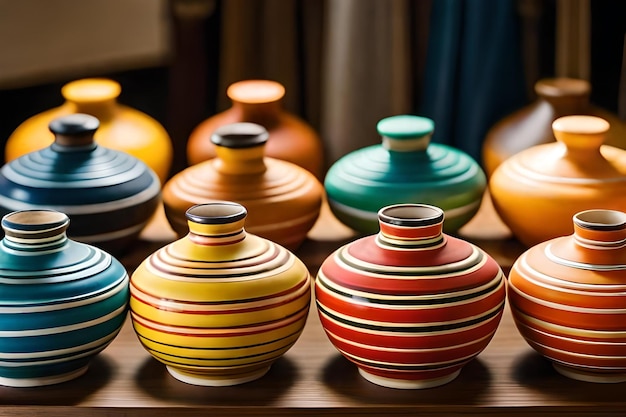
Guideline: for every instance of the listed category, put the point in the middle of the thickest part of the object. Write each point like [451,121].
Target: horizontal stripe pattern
[222,315]
[571,308]
[400,319]
[54,320]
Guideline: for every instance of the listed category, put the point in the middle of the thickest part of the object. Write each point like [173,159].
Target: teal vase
[405,168]
[61,301]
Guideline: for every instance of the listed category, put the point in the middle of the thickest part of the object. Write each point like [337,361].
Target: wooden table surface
[508,378]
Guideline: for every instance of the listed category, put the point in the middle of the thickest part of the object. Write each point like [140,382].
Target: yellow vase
[537,191]
[283,199]
[121,127]
[219,305]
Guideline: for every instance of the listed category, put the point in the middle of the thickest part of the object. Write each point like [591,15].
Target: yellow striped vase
[219,305]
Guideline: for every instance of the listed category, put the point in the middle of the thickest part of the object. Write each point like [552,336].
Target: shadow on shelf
[66,393]
[342,376]
[154,380]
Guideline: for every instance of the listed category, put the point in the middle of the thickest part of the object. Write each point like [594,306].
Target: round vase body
[62,302]
[219,305]
[532,125]
[109,195]
[568,297]
[537,191]
[260,101]
[283,199]
[121,127]
[410,306]
[404,168]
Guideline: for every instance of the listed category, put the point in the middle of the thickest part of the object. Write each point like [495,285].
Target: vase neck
[74,132]
[258,101]
[216,224]
[600,229]
[240,149]
[567,96]
[582,136]
[411,225]
[94,96]
[265,114]
[35,231]
[405,133]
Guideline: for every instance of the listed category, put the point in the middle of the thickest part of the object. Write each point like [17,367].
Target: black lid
[74,124]
[240,135]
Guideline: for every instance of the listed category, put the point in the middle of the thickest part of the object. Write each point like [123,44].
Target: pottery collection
[404,168]
[219,305]
[260,101]
[408,302]
[109,195]
[282,198]
[61,301]
[410,305]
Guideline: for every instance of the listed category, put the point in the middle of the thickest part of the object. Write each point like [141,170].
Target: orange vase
[568,298]
[283,199]
[537,191]
[260,101]
[532,125]
[121,127]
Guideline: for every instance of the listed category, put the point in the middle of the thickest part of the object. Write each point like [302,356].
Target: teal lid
[405,127]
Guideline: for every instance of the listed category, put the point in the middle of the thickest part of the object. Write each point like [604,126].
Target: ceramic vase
[122,127]
[219,305]
[568,297]
[410,305]
[404,168]
[61,301]
[283,199]
[532,124]
[109,195]
[260,101]
[537,191]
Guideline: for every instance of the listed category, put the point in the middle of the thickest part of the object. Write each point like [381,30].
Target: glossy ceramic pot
[411,305]
[219,305]
[283,199]
[122,127]
[61,301]
[109,195]
[532,124]
[260,101]
[537,191]
[404,168]
[568,297]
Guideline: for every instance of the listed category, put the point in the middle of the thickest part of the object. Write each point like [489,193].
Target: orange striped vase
[568,298]
[219,305]
[410,306]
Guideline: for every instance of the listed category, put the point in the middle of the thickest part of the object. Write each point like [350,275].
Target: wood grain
[508,378]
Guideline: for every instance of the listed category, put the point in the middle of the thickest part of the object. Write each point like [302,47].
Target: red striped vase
[568,298]
[219,305]
[411,305]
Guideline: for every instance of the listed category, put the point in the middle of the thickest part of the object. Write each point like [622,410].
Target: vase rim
[216,213]
[411,215]
[405,126]
[74,124]
[600,219]
[240,135]
[91,90]
[562,87]
[34,220]
[255,91]
[581,125]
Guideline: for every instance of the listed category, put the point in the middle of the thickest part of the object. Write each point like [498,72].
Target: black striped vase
[410,306]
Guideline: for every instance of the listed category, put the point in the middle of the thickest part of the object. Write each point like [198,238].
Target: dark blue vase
[61,301]
[109,195]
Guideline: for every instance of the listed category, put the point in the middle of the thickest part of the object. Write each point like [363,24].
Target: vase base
[205,380]
[585,376]
[44,380]
[409,383]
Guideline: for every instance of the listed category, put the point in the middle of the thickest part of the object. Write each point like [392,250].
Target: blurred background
[345,64]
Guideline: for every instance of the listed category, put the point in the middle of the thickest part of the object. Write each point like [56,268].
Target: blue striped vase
[109,195]
[61,301]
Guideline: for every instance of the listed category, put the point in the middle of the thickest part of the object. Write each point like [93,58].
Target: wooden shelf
[508,378]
